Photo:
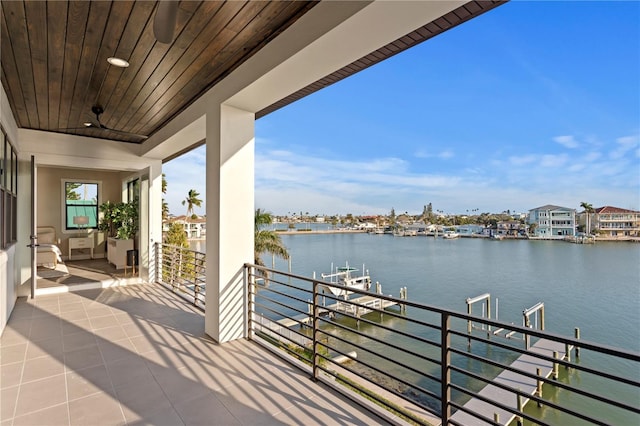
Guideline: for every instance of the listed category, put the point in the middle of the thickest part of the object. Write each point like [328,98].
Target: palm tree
[165,205]
[191,201]
[588,208]
[265,240]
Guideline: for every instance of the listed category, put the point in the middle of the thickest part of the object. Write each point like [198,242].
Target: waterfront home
[147,99]
[510,227]
[613,222]
[193,227]
[470,229]
[138,354]
[552,222]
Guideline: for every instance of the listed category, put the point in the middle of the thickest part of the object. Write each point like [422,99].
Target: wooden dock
[526,363]
[357,307]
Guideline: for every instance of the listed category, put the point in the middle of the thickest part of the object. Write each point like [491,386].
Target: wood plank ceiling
[54,59]
[54,53]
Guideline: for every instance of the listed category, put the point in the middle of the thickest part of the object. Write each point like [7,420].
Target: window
[133,190]
[8,191]
[81,205]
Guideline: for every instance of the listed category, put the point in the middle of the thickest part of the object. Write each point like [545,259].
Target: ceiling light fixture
[118,62]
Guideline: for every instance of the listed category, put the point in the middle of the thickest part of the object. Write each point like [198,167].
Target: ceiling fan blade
[123,133]
[164,22]
[98,110]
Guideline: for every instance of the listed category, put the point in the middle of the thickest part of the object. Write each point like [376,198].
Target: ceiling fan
[98,110]
[164,22]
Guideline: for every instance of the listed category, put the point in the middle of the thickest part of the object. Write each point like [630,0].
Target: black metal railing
[182,270]
[431,365]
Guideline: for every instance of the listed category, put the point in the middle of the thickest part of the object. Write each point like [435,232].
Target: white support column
[230,215]
[151,218]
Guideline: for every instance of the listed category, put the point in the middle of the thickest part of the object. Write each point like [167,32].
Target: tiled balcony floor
[138,355]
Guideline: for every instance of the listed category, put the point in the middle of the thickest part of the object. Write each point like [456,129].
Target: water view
[594,287]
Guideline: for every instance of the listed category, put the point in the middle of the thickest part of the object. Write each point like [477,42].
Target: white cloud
[566,141]
[592,156]
[553,160]
[624,145]
[522,160]
[288,181]
[444,155]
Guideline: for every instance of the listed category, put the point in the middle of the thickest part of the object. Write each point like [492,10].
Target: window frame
[8,191]
[69,227]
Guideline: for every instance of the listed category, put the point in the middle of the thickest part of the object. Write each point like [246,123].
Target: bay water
[595,287]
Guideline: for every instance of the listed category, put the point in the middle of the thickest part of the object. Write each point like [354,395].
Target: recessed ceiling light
[118,62]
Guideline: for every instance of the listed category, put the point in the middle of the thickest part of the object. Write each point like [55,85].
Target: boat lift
[537,311]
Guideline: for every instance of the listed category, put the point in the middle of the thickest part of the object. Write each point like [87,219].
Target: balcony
[425,364]
[138,354]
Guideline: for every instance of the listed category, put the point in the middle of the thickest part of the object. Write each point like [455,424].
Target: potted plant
[119,222]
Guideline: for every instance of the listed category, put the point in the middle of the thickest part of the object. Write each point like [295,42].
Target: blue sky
[532,103]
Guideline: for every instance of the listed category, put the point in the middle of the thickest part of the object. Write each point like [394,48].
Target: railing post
[248,273]
[445,373]
[314,322]
[469,324]
[156,262]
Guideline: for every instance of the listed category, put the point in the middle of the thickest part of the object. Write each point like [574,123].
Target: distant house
[614,222]
[553,221]
[510,227]
[194,228]
[470,229]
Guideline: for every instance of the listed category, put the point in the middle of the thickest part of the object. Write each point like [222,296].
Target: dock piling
[539,386]
[577,334]
[555,366]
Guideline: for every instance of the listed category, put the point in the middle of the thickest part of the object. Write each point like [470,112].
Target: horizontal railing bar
[384,327]
[178,248]
[553,382]
[287,296]
[271,279]
[375,339]
[181,295]
[266,330]
[559,361]
[524,394]
[366,364]
[495,404]
[384,312]
[374,309]
[380,398]
[418,372]
[265,298]
[278,313]
[284,346]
